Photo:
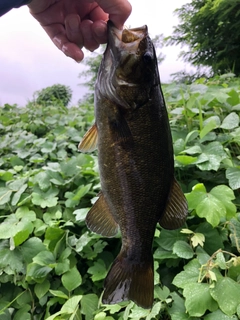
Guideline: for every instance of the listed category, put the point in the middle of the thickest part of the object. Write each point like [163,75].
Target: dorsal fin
[176,209]
[89,141]
[100,220]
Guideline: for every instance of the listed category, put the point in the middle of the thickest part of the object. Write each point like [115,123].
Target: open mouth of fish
[127,39]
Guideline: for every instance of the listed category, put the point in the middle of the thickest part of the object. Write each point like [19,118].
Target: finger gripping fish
[136,165]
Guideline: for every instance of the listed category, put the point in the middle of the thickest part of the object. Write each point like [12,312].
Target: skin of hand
[74,24]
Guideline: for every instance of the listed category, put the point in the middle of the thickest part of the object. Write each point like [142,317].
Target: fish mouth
[126,39]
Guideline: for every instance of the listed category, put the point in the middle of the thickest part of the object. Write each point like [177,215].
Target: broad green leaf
[37,272]
[226,288]
[71,305]
[18,194]
[71,279]
[45,258]
[213,205]
[81,214]
[89,304]
[211,156]
[154,311]
[98,270]
[45,198]
[43,180]
[233,97]
[31,248]
[225,195]
[189,275]
[11,259]
[209,125]
[198,299]
[183,250]
[5,195]
[58,293]
[41,289]
[168,238]
[218,315]
[233,176]
[231,121]
[185,160]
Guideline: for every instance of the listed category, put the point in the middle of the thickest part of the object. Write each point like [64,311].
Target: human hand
[74,24]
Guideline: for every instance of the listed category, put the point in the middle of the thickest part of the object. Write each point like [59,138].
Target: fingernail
[74,23]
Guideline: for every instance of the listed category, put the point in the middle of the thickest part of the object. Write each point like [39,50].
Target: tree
[57,93]
[211,29]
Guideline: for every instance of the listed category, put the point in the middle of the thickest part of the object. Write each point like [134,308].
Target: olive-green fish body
[135,155]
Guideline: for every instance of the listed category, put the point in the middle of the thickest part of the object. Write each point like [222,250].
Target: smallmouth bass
[136,165]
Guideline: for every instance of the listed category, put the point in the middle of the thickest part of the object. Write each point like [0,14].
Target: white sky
[29,61]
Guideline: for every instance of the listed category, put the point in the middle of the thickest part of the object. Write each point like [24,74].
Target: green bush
[53,267]
[56,94]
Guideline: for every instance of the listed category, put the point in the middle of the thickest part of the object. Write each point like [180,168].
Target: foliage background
[52,267]
[211,31]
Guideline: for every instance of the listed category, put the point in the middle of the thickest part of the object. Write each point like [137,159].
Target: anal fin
[176,209]
[89,141]
[100,220]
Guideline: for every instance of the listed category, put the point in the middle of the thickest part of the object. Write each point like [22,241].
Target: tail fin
[128,280]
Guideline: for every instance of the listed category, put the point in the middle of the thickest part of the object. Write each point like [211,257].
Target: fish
[136,163]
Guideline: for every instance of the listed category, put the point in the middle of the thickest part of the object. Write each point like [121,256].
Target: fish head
[129,69]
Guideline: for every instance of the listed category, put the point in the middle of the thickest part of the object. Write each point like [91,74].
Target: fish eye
[147,57]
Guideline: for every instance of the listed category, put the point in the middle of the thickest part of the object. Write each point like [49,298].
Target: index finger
[118,10]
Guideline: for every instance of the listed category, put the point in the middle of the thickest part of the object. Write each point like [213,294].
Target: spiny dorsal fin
[100,220]
[176,209]
[89,141]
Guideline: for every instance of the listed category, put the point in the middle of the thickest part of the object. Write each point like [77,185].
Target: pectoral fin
[176,209]
[100,220]
[89,141]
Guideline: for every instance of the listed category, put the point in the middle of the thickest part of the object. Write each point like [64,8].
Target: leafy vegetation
[210,28]
[53,267]
[58,94]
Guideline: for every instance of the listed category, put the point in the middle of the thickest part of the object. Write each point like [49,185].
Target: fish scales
[136,164]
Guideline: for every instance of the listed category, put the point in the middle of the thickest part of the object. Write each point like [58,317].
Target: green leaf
[89,304]
[213,205]
[189,275]
[5,195]
[71,279]
[183,250]
[198,299]
[31,248]
[186,160]
[18,194]
[58,293]
[217,315]
[45,198]
[233,176]
[226,287]
[231,121]
[168,238]
[41,289]
[37,272]
[71,305]
[45,258]
[211,156]
[98,270]
[209,125]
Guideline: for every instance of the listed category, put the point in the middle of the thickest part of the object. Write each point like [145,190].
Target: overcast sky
[29,61]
